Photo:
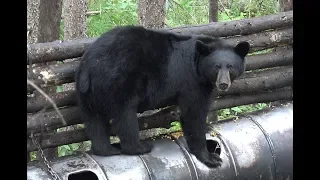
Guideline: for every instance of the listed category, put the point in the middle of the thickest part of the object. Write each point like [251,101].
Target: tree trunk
[32,21]
[152,14]
[213,11]
[32,28]
[75,21]
[43,25]
[75,25]
[212,117]
[286,5]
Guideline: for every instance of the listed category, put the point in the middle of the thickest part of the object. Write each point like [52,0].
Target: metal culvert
[256,146]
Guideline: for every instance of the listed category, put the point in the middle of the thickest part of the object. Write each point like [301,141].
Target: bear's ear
[242,49]
[203,48]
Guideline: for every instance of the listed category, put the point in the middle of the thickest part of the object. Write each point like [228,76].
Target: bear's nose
[223,86]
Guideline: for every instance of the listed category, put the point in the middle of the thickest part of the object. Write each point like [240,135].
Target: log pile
[268,76]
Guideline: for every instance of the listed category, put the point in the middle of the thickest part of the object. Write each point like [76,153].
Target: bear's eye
[217,66]
[229,66]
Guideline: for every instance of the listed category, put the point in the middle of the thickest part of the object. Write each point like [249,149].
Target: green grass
[183,12]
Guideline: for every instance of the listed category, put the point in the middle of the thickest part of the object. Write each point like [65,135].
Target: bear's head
[220,63]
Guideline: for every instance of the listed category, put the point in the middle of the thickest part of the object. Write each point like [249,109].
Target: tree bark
[75,21]
[32,20]
[212,117]
[57,51]
[75,25]
[213,11]
[286,5]
[75,136]
[49,20]
[152,14]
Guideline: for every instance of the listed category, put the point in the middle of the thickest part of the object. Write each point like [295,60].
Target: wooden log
[57,51]
[254,83]
[54,140]
[263,97]
[281,56]
[249,82]
[265,40]
[240,27]
[260,81]
[58,74]
[74,136]
[61,99]
[51,120]
[64,73]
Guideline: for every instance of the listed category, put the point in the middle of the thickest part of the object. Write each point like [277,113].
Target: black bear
[131,69]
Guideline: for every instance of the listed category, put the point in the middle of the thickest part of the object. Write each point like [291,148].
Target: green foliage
[186,12]
[175,126]
[238,110]
[179,12]
[113,13]
[253,8]
[33,156]
[261,52]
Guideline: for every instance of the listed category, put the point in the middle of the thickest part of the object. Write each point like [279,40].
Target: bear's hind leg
[127,128]
[97,129]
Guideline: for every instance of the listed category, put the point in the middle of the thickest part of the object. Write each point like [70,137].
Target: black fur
[131,69]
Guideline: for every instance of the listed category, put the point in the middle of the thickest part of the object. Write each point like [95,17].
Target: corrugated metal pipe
[256,146]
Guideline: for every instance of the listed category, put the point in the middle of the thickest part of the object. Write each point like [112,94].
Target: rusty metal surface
[256,146]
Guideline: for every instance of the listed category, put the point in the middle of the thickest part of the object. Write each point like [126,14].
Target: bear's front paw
[138,149]
[212,160]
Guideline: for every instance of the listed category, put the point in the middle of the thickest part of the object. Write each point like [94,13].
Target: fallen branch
[57,74]
[58,51]
[250,82]
[75,136]
[89,13]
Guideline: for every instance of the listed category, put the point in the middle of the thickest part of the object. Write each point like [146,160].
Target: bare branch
[49,99]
